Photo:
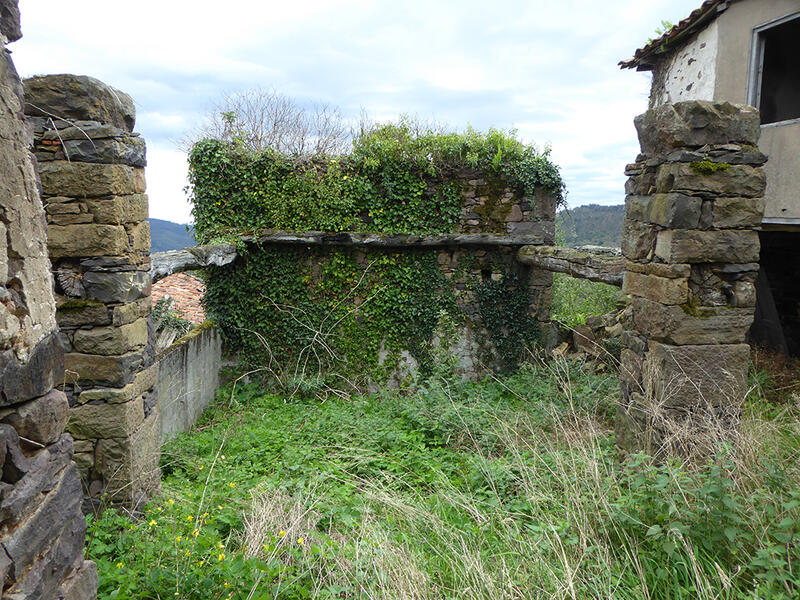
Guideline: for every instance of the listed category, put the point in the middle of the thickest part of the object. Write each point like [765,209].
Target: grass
[576,299]
[505,489]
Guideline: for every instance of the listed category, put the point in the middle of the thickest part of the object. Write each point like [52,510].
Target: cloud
[547,68]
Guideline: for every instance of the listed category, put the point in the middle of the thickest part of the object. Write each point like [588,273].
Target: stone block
[111,340]
[689,325]
[78,312]
[736,180]
[668,210]
[726,246]
[696,123]
[128,150]
[117,287]
[696,376]
[643,184]
[87,180]
[103,421]
[56,524]
[79,98]
[82,585]
[118,210]
[140,237]
[638,239]
[129,465]
[143,382]
[630,368]
[9,23]
[44,369]
[669,271]
[139,182]
[41,420]
[659,289]
[128,313]
[90,369]
[737,212]
[87,239]
[82,130]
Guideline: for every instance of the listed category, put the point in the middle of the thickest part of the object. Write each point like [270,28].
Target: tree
[260,119]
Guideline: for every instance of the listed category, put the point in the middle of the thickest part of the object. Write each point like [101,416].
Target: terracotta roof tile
[186,292]
[707,12]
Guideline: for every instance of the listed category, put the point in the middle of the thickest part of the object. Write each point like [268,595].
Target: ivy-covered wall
[322,316]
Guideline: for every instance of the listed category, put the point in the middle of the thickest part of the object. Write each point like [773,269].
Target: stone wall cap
[78,98]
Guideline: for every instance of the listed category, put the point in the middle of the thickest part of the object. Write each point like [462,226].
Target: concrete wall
[42,528]
[188,377]
[732,33]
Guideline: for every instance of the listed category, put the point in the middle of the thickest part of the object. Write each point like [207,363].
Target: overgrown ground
[504,489]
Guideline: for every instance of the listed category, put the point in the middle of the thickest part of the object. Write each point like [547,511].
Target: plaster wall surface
[690,73]
[188,380]
[780,142]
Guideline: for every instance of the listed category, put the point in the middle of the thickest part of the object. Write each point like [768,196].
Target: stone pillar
[42,527]
[695,199]
[91,167]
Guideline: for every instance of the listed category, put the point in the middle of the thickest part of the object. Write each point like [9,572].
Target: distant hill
[591,224]
[166,235]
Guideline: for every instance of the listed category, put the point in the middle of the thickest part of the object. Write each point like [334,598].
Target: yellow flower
[202,467]
[189,518]
[227,585]
[221,556]
[204,515]
[219,545]
[266,548]
[178,539]
[281,533]
[219,506]
[195,533]
[300,541]
[232,484]
[187,553]
[170,501]
[119,565]
[152,523]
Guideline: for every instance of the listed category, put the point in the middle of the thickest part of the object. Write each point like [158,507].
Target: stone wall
[695,198]
[91,167]
[41,525]
[188,378]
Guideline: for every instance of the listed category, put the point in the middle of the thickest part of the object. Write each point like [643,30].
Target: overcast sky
[547,68]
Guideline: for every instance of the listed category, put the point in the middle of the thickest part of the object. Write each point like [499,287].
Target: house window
[777,77]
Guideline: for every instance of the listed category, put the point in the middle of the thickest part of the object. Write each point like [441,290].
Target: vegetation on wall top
[397,178]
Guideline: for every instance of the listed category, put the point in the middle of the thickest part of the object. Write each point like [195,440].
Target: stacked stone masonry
[695,198]
[42,528]
[91,167]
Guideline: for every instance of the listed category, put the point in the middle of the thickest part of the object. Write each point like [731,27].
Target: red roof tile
[186,292]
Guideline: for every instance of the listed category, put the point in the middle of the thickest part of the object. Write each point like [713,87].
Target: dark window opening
[780,74]
[777,321]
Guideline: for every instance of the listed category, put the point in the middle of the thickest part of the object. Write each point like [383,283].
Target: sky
[547,68]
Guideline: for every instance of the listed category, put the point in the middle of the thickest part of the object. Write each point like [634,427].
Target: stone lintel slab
[659,289]
[691,246]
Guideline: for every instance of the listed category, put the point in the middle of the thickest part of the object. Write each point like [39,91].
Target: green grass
[576,299]
[503,489]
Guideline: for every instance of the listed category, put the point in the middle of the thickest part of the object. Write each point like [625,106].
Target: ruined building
[748,52]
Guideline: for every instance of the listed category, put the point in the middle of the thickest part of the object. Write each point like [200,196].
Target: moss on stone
[706,167]
[78,304]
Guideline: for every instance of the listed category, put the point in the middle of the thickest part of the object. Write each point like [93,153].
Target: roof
[186,292]
[644,57]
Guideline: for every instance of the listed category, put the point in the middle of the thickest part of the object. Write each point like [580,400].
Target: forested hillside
[166,235]
[591,224]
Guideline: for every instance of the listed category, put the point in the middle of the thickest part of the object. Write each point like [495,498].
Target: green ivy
[311,308]
[394,180]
